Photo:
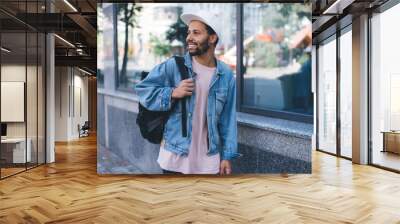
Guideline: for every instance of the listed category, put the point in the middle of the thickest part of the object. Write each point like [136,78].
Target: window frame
[327,37]
[240,106]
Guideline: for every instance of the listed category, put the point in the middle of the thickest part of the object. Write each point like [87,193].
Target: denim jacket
[155,94]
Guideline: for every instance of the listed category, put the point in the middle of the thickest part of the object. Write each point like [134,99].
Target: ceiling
[74,22]
[330,15]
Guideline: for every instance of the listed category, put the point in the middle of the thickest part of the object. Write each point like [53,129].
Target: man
[211,142]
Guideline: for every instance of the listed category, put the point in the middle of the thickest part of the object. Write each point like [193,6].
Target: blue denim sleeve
[228,124]
[155,90]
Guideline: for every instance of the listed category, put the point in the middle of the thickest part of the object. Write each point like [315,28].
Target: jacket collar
[188,63]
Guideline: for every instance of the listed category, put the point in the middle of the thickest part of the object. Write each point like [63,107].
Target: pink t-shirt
[197,161]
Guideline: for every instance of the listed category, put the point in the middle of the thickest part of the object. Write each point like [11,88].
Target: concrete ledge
[291,128]
[271,145]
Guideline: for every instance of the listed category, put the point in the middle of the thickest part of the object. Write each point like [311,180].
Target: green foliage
[270,59]
[266,54]
[286,18]
[161,48]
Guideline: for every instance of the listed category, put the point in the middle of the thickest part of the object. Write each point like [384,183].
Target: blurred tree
[178,30]
[127,14]
[290,19]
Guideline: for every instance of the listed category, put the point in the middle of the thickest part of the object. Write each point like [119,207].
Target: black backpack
[151,123]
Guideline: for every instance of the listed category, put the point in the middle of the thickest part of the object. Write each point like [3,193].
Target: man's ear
[213,39]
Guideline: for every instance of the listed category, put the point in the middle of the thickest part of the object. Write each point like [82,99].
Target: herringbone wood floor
[70,191]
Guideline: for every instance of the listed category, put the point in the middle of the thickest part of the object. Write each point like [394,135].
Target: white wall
[61,103]
[71,87]
[81,89]
[33,125]
[12,73]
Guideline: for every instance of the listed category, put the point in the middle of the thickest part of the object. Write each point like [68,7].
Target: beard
[201,48]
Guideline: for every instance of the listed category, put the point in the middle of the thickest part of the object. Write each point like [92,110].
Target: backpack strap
[180,62]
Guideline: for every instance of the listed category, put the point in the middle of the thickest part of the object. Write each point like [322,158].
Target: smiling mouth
[192,47]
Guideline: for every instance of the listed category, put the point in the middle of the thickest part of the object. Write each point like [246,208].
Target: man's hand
[225,167]
[185,88]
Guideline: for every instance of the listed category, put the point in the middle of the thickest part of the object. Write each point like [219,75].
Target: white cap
[207,17]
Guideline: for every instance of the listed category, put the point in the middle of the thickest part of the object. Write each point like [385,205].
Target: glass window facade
[367,48]
[142,44]
[385,89]
[346,93]
[275,79]
[334,62]
[277,57]
[103,25]
[105,47]
[327,96]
